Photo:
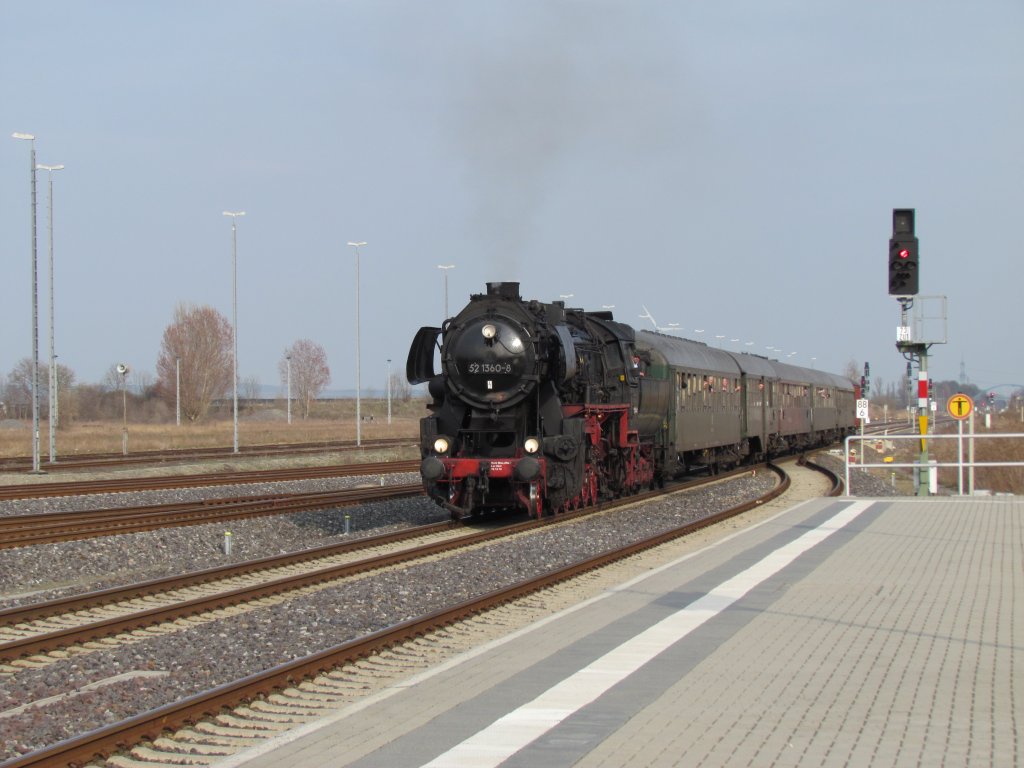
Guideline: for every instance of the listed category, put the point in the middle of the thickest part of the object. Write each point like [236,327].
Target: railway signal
[903,254]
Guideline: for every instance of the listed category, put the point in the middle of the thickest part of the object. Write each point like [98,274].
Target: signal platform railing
[932,464]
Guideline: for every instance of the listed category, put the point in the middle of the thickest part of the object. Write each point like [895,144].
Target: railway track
[43,627]
[178,455]
[47,626]
[276,693]
[163,482]
[50,527]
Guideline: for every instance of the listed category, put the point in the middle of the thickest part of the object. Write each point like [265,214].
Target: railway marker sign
[959,406]
[862,409]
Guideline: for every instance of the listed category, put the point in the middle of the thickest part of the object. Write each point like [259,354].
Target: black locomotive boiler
[545,408]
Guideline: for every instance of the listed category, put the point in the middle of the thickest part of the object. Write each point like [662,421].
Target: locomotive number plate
[490,367]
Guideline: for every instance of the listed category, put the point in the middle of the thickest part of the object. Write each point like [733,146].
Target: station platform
[839,632]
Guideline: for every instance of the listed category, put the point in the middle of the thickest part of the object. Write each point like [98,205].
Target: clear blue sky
[733,166]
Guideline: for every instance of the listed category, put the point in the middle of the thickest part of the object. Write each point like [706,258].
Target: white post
[289,360]
[970,455]
[177,391]
[234,324]
[960,457]
[359,416]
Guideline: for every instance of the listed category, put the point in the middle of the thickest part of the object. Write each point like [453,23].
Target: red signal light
[904,253]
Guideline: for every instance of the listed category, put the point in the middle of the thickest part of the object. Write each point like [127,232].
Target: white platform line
[510,733]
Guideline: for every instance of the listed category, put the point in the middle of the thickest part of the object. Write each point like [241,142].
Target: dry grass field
[328,422]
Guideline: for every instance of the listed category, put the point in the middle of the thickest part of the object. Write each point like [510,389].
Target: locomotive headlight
[489,331]
[441,445]
[532,445]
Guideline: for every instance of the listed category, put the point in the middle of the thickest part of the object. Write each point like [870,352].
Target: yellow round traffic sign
[959,406]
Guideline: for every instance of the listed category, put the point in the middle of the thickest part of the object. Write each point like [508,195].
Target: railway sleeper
[306,711]
[219,730]
[147,757]
[190,748]
[239,719]
[304,694]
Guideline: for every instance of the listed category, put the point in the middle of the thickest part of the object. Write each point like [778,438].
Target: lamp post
[123,370]
[56,392]
[445,268]
[288,361]
[53,357]
[35,308]
[359,419]
[177,391]
[389,391]
[234,321]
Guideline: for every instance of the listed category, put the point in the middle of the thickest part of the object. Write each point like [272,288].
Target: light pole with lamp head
[445,268]
[288,362]
[35,309]
[177,391]
[359,417]
[234,321]
[123,370]
[53,357]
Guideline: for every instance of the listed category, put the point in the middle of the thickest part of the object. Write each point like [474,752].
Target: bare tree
[310,373]
[19,383]
[852,370]
[112,380]
[250,389]
[401,389]
[200,337]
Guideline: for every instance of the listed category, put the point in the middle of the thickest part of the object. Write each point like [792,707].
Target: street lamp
[55,405]
[445,268]
[359,433]
[389,390]
[177,391]
[288,361]
[35,309]
[53,357]
[234,320]
[123,370]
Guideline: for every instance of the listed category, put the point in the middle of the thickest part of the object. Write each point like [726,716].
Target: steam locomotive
[544,408]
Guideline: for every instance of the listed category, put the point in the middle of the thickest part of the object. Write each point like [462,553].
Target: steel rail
[124,484]
[76,461]
[104,597]
[50,527]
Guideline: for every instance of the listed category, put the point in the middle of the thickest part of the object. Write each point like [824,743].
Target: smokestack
[504,290]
